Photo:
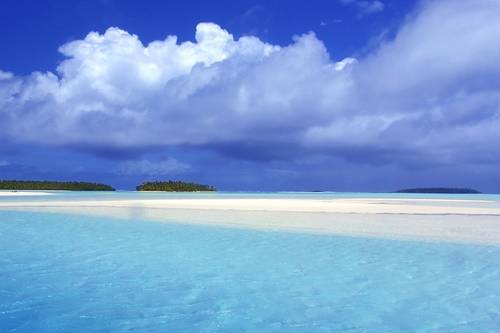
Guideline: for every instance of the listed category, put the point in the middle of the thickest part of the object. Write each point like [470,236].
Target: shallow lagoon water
[134,195]
[69,273]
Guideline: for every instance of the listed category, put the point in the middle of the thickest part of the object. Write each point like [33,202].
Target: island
[439,190]
[174,186]
[43,185]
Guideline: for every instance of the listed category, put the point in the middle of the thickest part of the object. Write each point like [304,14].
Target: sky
[341,95]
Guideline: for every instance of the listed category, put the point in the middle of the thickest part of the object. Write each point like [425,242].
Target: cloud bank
[430,95]
[166,167]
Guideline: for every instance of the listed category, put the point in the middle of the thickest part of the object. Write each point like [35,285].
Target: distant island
[441,190]
[52,185]
[174,186]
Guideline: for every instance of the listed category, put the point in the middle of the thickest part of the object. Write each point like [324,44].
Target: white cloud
[341,65]
[365,7]
[113,91]
[5,75]
[433,91]
[157,168]
[373,7]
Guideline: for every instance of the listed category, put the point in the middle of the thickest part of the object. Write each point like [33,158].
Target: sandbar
[441,220]
[6,193]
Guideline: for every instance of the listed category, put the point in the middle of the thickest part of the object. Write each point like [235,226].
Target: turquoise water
[68,273]
[127,195]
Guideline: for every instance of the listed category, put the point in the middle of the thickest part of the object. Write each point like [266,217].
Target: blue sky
[344,95]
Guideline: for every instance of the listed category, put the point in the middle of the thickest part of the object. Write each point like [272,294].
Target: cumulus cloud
[112,91]
[170,166]
[430,94]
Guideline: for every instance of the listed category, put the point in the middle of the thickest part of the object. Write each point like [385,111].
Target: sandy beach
[463,221]
[22,193]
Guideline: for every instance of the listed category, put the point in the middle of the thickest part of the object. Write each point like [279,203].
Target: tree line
[52,185]
[439,190]
[174,186]
[165,186]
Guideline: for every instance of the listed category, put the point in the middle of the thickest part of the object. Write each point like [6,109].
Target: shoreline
[21,193]
[458,221]
[337,205]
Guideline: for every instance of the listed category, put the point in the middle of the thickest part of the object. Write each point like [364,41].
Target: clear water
[68,273]
[127,195]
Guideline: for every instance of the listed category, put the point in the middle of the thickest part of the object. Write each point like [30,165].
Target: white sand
[21,193]
[469,221]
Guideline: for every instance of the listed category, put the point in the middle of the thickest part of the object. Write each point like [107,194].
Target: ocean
[75,273]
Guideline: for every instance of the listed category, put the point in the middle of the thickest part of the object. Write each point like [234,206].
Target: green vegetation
[174,186]
[443,190]
[52,185]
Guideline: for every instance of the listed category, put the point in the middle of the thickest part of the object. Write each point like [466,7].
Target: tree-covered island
[439,190]
[52,185]
[174,186]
